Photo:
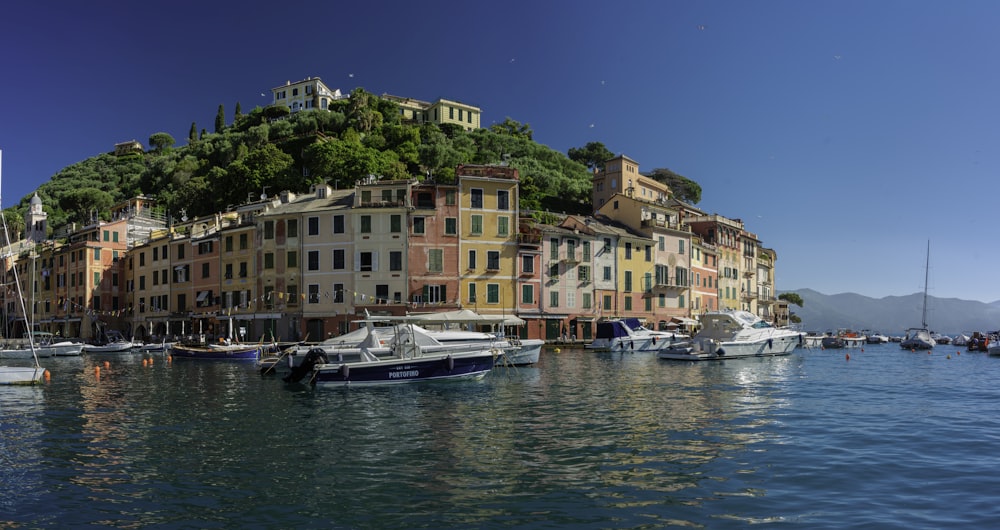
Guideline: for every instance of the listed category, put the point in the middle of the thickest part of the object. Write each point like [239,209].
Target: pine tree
[239,113]
[193,133]
[220,119]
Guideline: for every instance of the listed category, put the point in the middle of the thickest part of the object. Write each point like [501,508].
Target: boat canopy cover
[611,329]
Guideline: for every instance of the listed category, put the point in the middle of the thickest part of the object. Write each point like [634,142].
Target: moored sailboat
[18,375]
[920,338]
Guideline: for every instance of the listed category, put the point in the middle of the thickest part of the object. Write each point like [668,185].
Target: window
[244,243]
[228,274]
[107,235]
[554,248]
[338,224]
[366,196]
[584,273]
[205,247]
[451,226]
[680,247]
[435,260]
[472,259]
[628,303]
[268,229]
[503,200]
[293,295]
[607,302]
[339,259]
[366,224]
[229,246]
[472,293]
[527,294]
[293,227]
[338,293]
[313,260]
[313,296]
[628,250]
[386,195]
[418,225]
[607,244]
[477,225]
[503,226]
[528,264]
[243,269]
[493,260]
[476,197]
[649,252]
[293,259]
[586,300]
[206,270]
[268,260]
[395,223]
[586,251]
[553,298]
[367,261]
[628,281]
[493,293]
[434,294]
[554,271]
[156,253]
[97,254]
[449,198]
[312,225]
[395,260]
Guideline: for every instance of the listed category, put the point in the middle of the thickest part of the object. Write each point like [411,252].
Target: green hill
[269,150]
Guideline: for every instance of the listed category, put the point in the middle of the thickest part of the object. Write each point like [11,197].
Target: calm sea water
[886,439]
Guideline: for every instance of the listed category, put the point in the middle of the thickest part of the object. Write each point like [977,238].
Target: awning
[202,295]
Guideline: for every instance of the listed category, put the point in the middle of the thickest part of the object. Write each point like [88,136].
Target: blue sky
[846,134]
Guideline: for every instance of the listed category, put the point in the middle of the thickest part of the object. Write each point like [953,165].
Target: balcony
[534,240]
[667,284]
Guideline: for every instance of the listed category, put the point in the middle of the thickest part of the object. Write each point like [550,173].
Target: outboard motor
[313,357]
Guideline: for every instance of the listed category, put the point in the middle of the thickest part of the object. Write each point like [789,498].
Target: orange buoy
[47,375]
[97,372]
[848,356]
[107,364]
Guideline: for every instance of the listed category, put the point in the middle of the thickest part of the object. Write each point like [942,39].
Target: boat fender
[654,339]
[631,345]
[800,339]
[345,371]
[770,344]
[450,362]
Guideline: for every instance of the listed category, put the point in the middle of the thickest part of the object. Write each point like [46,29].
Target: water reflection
[582,439]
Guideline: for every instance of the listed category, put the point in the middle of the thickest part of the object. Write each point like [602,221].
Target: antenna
[263,193]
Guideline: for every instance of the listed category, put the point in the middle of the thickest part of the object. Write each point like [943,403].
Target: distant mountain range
[893,314]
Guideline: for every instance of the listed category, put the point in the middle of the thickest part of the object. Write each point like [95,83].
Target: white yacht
[732,334]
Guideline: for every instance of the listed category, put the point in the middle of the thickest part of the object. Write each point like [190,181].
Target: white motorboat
[628,334]
[411,355]
[114,344]
[732,334]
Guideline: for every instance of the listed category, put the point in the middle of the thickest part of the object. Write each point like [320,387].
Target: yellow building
[488,211]
[621,176]
[440,111]
[147,270]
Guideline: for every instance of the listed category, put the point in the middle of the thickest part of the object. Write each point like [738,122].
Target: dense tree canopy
[272,148]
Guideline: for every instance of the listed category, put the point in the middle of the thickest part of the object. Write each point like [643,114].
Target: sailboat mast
[927,268]
[17,281]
